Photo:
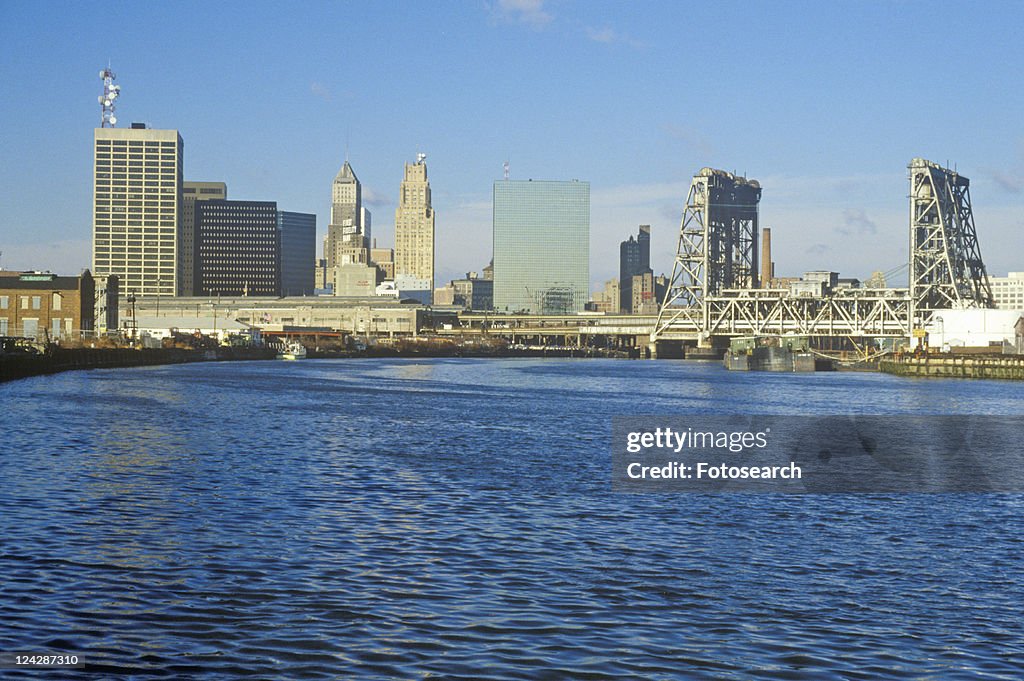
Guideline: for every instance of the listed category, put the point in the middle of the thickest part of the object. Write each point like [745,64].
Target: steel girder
[717,249]
[946,269]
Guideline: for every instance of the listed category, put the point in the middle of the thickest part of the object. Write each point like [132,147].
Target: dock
[1010,367]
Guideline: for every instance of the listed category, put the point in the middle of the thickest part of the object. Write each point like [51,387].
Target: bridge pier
[665,349]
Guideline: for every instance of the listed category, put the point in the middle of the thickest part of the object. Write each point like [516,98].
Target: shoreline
[14,366]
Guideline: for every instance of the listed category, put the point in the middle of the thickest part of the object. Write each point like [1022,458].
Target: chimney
[767,266]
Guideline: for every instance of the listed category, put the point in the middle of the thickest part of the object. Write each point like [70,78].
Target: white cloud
[528,12]
[602,35]
[609,36]
[376,199]
[320,90]
[856,221]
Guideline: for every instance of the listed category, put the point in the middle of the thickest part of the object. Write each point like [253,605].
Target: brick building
[45,306]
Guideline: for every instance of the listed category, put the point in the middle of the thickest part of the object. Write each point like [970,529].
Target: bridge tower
[946,269]
[717,247]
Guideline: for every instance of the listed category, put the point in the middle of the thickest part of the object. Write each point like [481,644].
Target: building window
[37,302]
[24,302]
[3,326]
[3,302]
[56,301]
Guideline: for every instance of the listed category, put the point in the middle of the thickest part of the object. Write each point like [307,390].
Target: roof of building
[187,324]
[346,174]
[38,281]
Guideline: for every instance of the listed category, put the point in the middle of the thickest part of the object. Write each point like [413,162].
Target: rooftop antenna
[506,169]
[107,99]
[420,157]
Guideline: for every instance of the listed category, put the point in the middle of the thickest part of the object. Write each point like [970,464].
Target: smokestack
[767,266]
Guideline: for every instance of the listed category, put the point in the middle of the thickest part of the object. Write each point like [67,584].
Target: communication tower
[107,99]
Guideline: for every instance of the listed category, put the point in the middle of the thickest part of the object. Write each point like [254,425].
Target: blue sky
[823,103]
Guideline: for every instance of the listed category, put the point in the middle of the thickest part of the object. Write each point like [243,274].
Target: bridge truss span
[853,313]
[714,289]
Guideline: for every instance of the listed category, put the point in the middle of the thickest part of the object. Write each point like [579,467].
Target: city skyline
[826,120]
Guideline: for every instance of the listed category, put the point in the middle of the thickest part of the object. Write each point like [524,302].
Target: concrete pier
[956,366]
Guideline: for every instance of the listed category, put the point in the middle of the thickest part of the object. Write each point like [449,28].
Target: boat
[772,353]
[292,351]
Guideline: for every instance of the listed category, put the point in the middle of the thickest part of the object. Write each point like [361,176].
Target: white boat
[293,351]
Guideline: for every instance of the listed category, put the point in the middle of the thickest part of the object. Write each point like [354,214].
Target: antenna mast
[107,99]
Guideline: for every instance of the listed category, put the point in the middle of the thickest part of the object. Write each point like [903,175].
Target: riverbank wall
[1009,367]
[56,360]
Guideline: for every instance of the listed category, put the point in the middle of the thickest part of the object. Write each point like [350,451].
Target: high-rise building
[634,260]
[190,193]
[541,246]
[414,226]
[647,293]
[348,234]
[137,182]
[237,249]
[321,274]
[297,235]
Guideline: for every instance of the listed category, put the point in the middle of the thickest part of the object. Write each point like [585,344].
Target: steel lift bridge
[714,292]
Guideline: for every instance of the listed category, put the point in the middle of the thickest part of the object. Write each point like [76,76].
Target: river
[454,518]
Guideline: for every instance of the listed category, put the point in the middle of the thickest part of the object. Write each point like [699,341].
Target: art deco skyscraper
[137,181]
[348,234]
[634,260]
[414,225]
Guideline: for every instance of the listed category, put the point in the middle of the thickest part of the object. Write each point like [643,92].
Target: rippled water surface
[453,519]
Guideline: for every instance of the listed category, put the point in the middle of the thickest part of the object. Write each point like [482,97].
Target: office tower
[137,181]
[348,234]
[414,228]
[297,235]
[541,246]
[634,260]
[237,249]
[473,292]
[321,273]
[190,193]
[384,260]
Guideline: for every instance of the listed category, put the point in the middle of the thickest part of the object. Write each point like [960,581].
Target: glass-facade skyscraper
[541,246]
[297,232]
